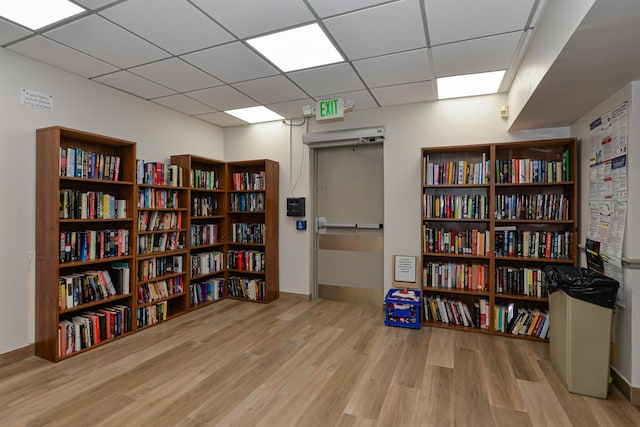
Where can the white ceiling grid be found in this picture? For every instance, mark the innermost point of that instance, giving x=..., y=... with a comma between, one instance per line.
x=192, y=55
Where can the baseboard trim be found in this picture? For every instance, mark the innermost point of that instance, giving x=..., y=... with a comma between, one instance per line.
x=291, y=295
x=630, y=392
x=17, y=355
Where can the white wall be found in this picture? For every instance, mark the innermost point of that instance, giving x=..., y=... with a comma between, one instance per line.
x=80, y=104
x=408, y=128
x=627, y=320
x=557, y=23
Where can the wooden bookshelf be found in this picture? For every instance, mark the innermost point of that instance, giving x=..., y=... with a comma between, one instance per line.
x=71, y=205
x=528, y=194
x=207, y=224
x=252, y=230
x=161, y=243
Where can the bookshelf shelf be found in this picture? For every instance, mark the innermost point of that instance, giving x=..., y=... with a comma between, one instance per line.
x=444, y=290
x=533, y=182
x=204, y=276
x=457, y=327
x=107, y=300
x=161, y=299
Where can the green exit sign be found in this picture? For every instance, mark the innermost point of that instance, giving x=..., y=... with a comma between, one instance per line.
x=329, y=109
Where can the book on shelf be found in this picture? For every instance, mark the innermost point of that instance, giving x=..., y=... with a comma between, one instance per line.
x=247, y=288
x=158, y=173
x=449, y=311
x=525, y=171
x=208, y=290
x=454, y=275
x=206, y=263
x=79, y=163
x=205, y=179
x=204, y=206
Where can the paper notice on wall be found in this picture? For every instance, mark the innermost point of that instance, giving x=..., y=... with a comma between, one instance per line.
x=36, y=99
x=608, y=193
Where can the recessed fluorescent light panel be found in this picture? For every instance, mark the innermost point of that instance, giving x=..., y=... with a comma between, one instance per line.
x=36, y=14
x=469, y=84
x=255, y=114
x=298, y=48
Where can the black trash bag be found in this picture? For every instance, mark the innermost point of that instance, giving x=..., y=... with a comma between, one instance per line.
x=583, y=284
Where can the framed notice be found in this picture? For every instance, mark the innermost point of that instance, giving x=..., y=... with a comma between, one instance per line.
x=405, y=271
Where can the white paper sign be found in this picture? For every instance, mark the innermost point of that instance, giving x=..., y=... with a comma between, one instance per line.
x=36, y=99
x=405, y=269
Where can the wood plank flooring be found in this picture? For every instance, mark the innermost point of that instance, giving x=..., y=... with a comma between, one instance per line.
x=301, y=363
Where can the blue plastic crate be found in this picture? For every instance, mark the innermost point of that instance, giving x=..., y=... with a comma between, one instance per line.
x=402, y=312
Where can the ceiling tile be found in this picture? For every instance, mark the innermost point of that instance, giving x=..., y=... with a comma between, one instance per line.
x=184, y=104
x=379, y=30
x=475, y=56
x=221, y=119
x=291, y=109
x=404, y=94
x=231, y=63
x=222, y=98
x=133, y=84
x=271, y=90
x=94, y=4
x=327, y=80
x=177, y=75
x=100, y=38
x=362, y=99
x=61, y=56
x=246, y=18
x=10, y=32
x=405, y=67
x=480, y=18
x=326, y=8
x=174, y=25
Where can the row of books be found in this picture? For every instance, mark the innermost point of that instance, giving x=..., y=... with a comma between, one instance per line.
x=82, y=288
x=520, y=171
x=245, y=260
x=91, y=205
x=79, y=163
x=205, y=179
x=158, y=221
x=204, y=234
x=209, y=290
x=247, y=287
x=204, y=206
x=158, y=267
x=158, y=173
x=455, y=206
x=544, y=206
x=157, y=198
x=168, y=241
x=152, y=314
x=206, y=263
x=153, y=291
x=532, y=244
x=451, y=275
x=525, y=281
x=248, y=181
x=90, y=245
x=456, y=172
x=467, y=242
x=522, y=321
x=455, y=312
x=92, y=327
x=247, y=233
x=246, y=202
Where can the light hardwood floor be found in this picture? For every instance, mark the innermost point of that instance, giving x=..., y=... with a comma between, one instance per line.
x=300, y=363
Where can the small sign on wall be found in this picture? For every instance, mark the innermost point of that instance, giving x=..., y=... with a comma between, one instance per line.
x=36, y=99
x=405, y=272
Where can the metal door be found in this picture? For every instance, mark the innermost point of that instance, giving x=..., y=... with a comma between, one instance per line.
x=349, y=203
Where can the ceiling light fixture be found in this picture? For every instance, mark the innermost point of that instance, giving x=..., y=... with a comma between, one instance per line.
x=298, y=48
x=257, y=114
x=469, y=84
x=35, y=14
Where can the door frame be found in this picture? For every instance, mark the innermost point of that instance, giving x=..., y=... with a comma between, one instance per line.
x=313, y=242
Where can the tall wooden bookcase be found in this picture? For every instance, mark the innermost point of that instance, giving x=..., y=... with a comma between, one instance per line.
x=161, y=245
x=252, y=230
x=493, y=216
x=86, y=167
x=207, y=224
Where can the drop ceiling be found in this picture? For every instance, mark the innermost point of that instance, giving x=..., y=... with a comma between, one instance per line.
x=192, y=55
